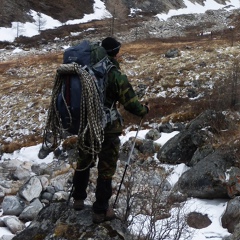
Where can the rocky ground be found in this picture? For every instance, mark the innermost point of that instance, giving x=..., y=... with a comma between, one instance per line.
x=180, y=77
x=178, y=88
x=64, y=10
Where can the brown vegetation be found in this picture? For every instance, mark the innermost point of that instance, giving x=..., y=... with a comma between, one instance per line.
x=33, y=75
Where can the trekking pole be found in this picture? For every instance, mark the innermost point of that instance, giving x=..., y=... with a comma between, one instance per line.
x=127, y=163
x=70, y=195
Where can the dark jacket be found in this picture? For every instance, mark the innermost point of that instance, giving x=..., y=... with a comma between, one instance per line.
x=120, y=90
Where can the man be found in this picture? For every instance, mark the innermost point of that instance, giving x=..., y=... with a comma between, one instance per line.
x=118, y=90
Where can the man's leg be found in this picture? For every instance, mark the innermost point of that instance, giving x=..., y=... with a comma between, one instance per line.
x=80, y=183
x=81, y=179
x=106, y=169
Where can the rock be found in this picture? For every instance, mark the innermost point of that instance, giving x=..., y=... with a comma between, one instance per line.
x=192, y=93
x=232, y=181
x=47, y=195
x=6, y=237
x=31, y=211
x=44, y=181
x=31, y=189
x=60, y=196
x=12, y=205
x=200, y=154
x=176, y=197
x=172, y=53
x=59, y=182
x=166, y=128
x=181, y=148
x=198, y=220
x=146, y=147
x=231, y=216
x=153, y=134
x=178, y=149
x=2, y=224
x=60, y=220
x=178, y=127
x=50, y=189
x=236, y=233
x=39, y=169
x=125, y=151
x=13, y=224
x=207, y=178
x=11, y=164
x=213, y=120
x=21, y=173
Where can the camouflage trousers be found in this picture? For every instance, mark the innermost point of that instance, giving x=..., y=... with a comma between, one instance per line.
x=107, y=163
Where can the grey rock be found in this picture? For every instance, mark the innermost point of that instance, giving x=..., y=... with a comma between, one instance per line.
x=207, y=178
x=200, y=154
x=50, y=189
x=21, y=173
x=192, y=93
x=231, y=216
x=31, y=211
x=236, y=233
x=60, y=196
x=153, y=134
x=181, y=148
x=31, y=189
x=12, y=205
x=172, y=53
x=198, y=220
x=178, y=149
x=6, y=237
x=60, y=218
x=47, y=195
x=232, y=181
x=2, y=224
x=13, y=224
x=178, y=127
x=39, y=169
x=147, y=147
x=125, y=152
x=44, y=181
x=166, y=128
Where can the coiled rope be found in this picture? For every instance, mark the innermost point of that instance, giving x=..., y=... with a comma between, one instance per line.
x=91, y=132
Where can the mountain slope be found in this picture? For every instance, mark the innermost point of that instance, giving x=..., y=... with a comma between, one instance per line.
x=64, y=10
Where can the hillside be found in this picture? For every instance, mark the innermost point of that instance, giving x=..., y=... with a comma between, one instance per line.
x=64, y=10
x=178, y=89
x=181, y=67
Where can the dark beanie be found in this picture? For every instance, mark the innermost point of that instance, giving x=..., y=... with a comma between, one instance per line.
x=111, y=46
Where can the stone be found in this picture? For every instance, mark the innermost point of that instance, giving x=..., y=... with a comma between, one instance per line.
x=12, y=205
x=31, y=211
x=13, y=224
x=198, y=220
x=31, y=189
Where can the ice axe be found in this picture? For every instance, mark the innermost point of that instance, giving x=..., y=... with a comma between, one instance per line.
x=128, y=162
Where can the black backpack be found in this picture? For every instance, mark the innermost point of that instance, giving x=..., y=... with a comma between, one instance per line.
x=78, y=96
x=91, y=59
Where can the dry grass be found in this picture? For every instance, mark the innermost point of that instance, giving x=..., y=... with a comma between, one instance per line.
x=33, y=77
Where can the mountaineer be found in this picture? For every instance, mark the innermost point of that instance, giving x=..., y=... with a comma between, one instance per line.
x=118, y=90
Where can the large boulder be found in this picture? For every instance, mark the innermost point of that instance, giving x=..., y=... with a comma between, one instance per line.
x=207, y=179
x=63, y=222
x=181, y=148
x=12, y=205
x=31, y=189
x=231, y=216
x=178, y=149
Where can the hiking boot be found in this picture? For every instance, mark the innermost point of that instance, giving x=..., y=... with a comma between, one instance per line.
x=102, y=217
x=43, y=152
x=78, y=204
